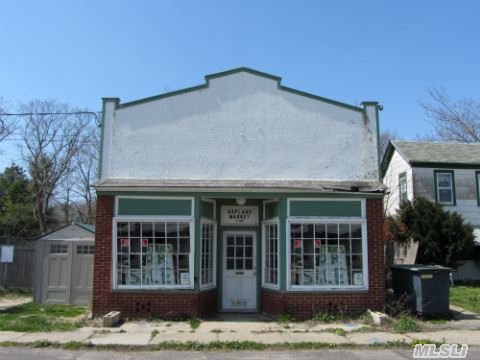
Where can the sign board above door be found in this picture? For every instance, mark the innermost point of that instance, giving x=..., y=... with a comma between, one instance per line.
x=239, y=215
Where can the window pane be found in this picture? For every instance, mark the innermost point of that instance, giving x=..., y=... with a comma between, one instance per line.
x=270, y=253
x=444, y=180
x=207, y=254
x=146, y=256
x=445, y=195
x=330, y=258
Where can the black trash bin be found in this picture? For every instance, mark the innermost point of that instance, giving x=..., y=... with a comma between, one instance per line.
x=428, y=286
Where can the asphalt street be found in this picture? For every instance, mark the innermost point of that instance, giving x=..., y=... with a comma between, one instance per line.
x=12, y=353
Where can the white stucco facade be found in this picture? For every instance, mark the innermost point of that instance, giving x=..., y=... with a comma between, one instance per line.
x=240, y=126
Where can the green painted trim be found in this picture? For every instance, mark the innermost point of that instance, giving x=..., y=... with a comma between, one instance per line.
x=445, y=165
x=198, y=231
x=162, y=96
x=387, y=157
x=477, y=183
x=402, y=176
x=379, y=150
x=161, y=207
x=234, y=71
x=319, y=98
x=435, y=172
x=102, y=134
x=207, y=210
x=282, y=238
x=271, y=210
x=252, y=195
x=220, y=255
x=326, y=208
x=242, y=69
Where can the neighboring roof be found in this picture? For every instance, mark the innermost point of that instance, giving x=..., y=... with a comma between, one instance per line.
x=109, y=184
x=88, y=227
x=250, y=71
x=73, y=232
x=433, y=153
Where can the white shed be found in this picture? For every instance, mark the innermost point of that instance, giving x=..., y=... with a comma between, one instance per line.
x=64, y=266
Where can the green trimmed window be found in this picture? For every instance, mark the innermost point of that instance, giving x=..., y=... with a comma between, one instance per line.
x=445, y=187
x=402, y=187
x=270, y=254
x=477, y=182
x=153, y=254
x=207, y=254
x=326, y=254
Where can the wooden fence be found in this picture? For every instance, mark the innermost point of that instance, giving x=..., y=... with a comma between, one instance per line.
x=19, y=273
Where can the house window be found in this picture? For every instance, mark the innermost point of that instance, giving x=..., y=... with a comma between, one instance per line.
x=327, y=255
x=270, y=254
x=402, y=187
x=477, y=179
x=58, y=249
x=445, y=187
x=154, y=254
x=85, y=249
x=207, y=256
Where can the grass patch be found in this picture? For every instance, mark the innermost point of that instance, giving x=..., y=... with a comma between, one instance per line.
x=467, y=297
x=32, y=317
x=7, y=293
x=216, y=331
x=285, y=318
x=153, y=333
x=325, y=317
x=216, y=346
x=194, y=323
x=337, y=331
x=365, y=329
x=406, y=324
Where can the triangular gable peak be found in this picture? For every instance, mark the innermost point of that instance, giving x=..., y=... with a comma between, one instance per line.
x=241, y=124
x=275, y=81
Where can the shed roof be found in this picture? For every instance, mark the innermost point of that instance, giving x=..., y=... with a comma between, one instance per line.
x=433, y=153
x=73, y=232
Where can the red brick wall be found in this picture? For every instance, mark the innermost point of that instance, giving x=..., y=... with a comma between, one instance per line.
x=303, y=304
x=136, y=303
x=169, y=303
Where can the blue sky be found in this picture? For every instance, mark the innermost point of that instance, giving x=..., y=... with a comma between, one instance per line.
x=351, y=51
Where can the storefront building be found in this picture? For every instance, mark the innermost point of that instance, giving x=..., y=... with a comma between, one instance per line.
x=239, y=195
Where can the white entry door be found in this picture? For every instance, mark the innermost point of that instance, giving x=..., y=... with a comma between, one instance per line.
x=239, y=271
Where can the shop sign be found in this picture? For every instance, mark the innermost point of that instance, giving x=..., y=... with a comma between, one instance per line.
x=240, y=215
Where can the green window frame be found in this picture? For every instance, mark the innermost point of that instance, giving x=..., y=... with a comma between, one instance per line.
x=477, y=183
x=208, y=257
x=402, y=187
x=443, y=187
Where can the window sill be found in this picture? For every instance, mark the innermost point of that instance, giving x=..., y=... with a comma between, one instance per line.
x=207, y=287
x=131, y=289
x=327, y=289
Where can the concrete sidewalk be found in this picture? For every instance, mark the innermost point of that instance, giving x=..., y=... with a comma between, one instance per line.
x=142, y=333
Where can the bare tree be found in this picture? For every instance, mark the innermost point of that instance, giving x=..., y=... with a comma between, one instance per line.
x=7, y=124
x=85, y=164
x=453, y=120
x=385, y=137
x=51, y=138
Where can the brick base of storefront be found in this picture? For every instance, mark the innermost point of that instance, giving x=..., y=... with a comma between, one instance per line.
x=140, y=303
x=166, y=304
x=302, y=305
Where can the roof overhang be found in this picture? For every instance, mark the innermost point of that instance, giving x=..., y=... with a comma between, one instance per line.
x=240, y=185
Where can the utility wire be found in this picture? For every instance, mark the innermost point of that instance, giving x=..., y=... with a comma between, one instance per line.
x=94, y=114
